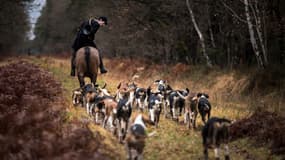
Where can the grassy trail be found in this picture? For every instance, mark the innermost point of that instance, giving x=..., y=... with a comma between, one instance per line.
x=172, y=140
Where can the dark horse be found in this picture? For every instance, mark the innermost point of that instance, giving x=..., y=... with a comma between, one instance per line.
x=87, y=63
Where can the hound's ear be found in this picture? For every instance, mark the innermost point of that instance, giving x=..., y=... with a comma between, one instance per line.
x=199, y=95
x=187, y=90
x=181, y=92
x=148, y=91
x=104, y=86
x=156, y=81
x=119, y=85
x=135, y=84
x=206, y=95
x=168, y=87
x=83, y=88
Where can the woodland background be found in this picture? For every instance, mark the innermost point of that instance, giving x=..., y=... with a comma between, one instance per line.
x=161, y=31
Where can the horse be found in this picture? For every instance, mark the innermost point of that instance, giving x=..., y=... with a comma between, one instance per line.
x=87, y=64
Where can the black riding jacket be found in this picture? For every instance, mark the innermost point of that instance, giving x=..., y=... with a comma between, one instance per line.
x=86, y=34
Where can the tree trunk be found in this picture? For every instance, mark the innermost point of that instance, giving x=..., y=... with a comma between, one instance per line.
x=210, y=26
x=202, y=40
x=252, y=37
x=211, y=34
x=259, y=32
x=281, y=33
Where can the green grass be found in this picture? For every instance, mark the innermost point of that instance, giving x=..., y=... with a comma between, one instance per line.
x=172, y=140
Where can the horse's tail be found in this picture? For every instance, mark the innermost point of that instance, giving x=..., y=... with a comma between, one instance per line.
x=87, y=58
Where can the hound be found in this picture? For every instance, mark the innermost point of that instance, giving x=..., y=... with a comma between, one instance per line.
x=135, y=139
x=109, y=111
x=123, y=115
x=77, y=97
x=103, y=91
x=204, y=106
x=122, y=91
x=140, y=98
x=191, y=110
x=216, y=132
x=161, y=86
x=132, y=88
x=154, y=107
x=90, y=94
x=177, y=102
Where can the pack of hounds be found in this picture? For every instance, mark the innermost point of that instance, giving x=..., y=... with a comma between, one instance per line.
x=115, y=113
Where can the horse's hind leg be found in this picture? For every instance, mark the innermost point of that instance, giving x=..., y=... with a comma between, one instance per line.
x=94, y=79
x=81, y=80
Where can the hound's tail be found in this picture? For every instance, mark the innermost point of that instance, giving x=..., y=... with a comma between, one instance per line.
x=87, y=58
x=207, y=107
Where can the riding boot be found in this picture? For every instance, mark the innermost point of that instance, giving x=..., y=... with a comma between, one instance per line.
x=72, y=72
x=101, y=65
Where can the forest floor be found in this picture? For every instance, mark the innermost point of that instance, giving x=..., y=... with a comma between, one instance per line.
x=256, y=135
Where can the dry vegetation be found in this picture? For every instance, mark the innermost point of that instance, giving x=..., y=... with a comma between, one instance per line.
x=32, y=121
x=229, y=94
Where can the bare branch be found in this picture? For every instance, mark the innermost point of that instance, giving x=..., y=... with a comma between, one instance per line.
x=233, y=12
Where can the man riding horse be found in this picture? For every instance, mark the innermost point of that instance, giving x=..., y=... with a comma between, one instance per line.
x=85, y=37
